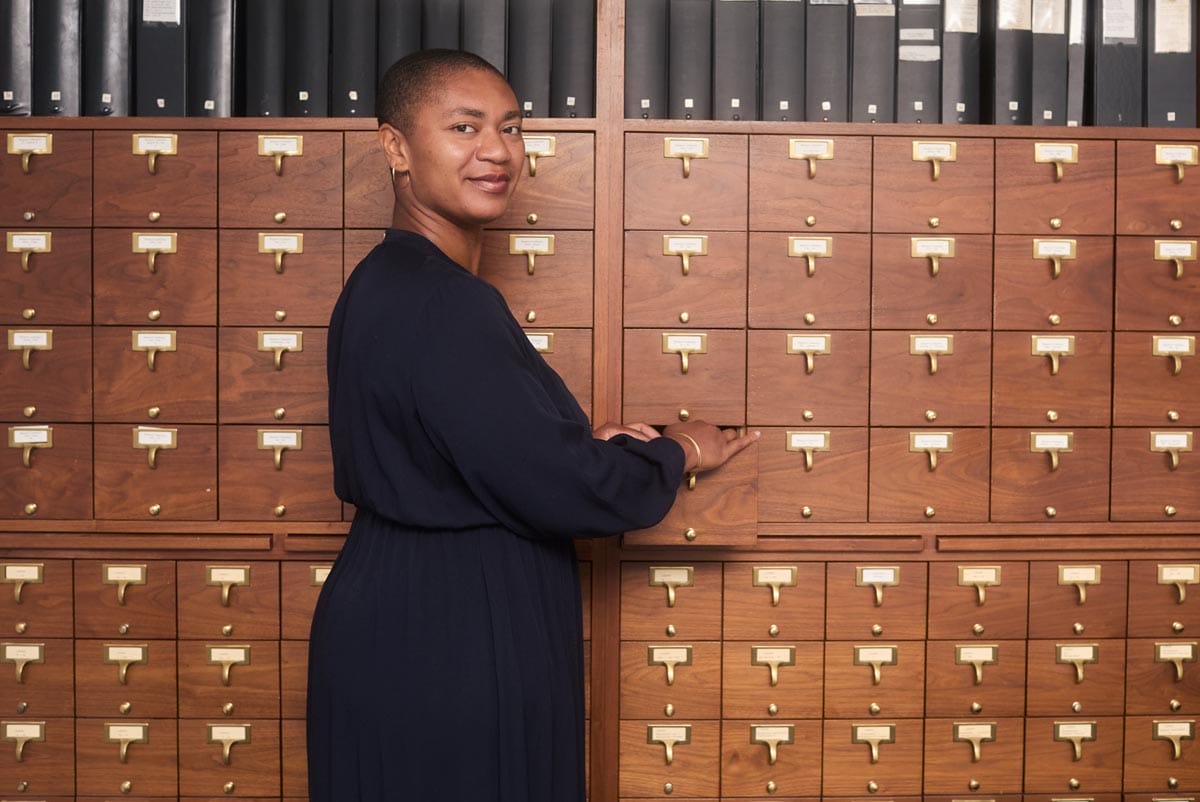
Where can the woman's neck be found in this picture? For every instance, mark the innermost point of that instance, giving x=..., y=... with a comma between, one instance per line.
x=463, y=245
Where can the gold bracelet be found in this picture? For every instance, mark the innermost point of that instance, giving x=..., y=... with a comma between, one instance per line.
x=692, y=440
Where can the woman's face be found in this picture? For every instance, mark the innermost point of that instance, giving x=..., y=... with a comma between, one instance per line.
x=466, y=150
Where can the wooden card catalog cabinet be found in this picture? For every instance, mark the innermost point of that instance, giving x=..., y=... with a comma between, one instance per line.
x=1084, y=600
x=942, y=282
x=770, y=678
x=569, y=353
x=1073, y=754
x=809, y=279
x=301, y=583
x=126, y=600
x=546, y=278
x=276, y=472
x=156, y=472
x=1161, y=754
x=36, y=681
x=976, y=677
x=293, y=679
x=779, y=757
x=942, y=186
x=1166, y=599
x=982, y=756
x=220, y=601
x=126, y=678
x=36, y=598
x=1053, y=281
x=822, y=181
x=276, y=180
x=47, y=471
x=978, y=600
x=557, y=186
x=1054, y=187
x=677, y=601
x=159, y=178
x=1050, y=474
x=1154, y=193
x=1072, y=677
x=126, y=757
x=39, y=756
x=1051, y=378
x=864, y=758
x=928, y=474
x=1162, y=677
x=685, y=180
x=49, y=179
x=155, y=278
x=281, y=278
x=1156, y=379
x=673, y=679
x=819, y=378
x=45, y=278
x=239, y=757
x=668, y=757
x=45, y=374
x=683, y=277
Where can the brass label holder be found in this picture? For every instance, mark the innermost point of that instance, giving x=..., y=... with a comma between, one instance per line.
x=153, y=343
x=22, y=733
x=538, y=146
x=279, y=441
x=280, y=343
x=810, y=345
x=1179, y=575
x=1076, y=733
x=1081, y=576
x=227, y=576
x=775, y=578
x=932, y=346
x=686, y=149
x=877, y=577
x=873, y=735
x=30, y=145
x=980, y=577
x=1052, y=443
x=542, y=341
x=1176, y=252
x=153, y=244
x=670, y=737
x=1077, y=655
x=279, y=245
x=1056, y=153
x=810, y=249
x=228, y=736
x=669, y=657
x=773, y=657
x=1177, y=155
x=126, y=735
x=1057, y=251
x=21, y=574
x=811, y=151
x=935, y=153
x=934, y=249
x=931, y=444
x=977, y=656
x=684, y=344
x=153, y=439
x=1175, y=731
x=154, y=145
x=1175, y=348
x=27, y=243
x=124, y=577
x=671, y=578
x=29, y=340
x=21, y=655
x=1054, y=346
x=807, y=442
x=125, y=655
x=685, y=247
x=1176, y=653
x=29, y=438
x=1172, y=444
x=772, y=736
x=317, y=574
x=876, y=657
x=976, y=735
x=276, y=146
x=531, y=246
x=227, y=657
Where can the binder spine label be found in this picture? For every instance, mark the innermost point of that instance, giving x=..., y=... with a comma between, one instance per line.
x=1172, y=26
x=164, y=11
x=1050, y=16
x=1119, y=22
x=1014, y=15
x=961, y=16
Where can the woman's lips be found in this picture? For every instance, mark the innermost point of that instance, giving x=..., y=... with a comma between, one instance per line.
x=492, y=182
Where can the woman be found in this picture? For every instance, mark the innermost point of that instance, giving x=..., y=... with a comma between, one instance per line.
x=445, y=660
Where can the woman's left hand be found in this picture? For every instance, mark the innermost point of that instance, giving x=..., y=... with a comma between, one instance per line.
x=638, y=431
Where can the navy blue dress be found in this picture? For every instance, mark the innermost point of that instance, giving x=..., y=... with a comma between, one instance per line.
x=445, y=661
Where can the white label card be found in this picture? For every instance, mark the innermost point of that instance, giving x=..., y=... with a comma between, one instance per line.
x=933, y=247
x=127, y=732
x=1050, y=16
x=684, y=342
x=280, y=439
x=931, y=344
x=1179, y=573
x=124, y=573
x=771, y=733
x=19, y=731
x=30, y=435
x=1080, y=573
x=673, y=576
x=1119, y=19
x=281, y=242
x=320, y=573
x=1053, y=345
x=815, y=148
x=1172, y=26
x=24, y=573
x=934, y=150
x=1174, y=345
x=535, y=244
x=981, y=732
x=23, y=651
x=1174, y=729
x=808, y=342
x=685, y=244
x=773, y=654
x=1051, y=152
x=782, y=576
x=155, y=339
x=538, y=144
x=1172, y=250
x=155, y=437
x=540, y=342
x=232, y=575
x=280, y=339
x=977, y=654
x=125, y=654
x=809, y=440
x=989, y=574
x=30, y=242
x=1073, y=730
x=919, y=53
x=687, y=147
x=931, y=441
x=227, y=654
x=1055, y=247
x=227, y=733
x=1177, y=154
x=1051, y=441
x=878, y=575
x=872, y=733
x=1175, y=651
x=30, y=339
x=815, y=246
x=669, y=654
x=1083, y=653
x=961, y=16
x=669, y=733
x=153, y=143
x=1166, y=440
x=876, y=654
x=280, y=144
x=30, y=142
x=165, y=11
x=154, y=242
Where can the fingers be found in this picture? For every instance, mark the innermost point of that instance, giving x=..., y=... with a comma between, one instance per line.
x=649, y=432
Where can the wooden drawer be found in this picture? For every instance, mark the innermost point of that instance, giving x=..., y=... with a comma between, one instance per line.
x=779, y=757
x=833, y=188
x=1054, y=187
x=180, y=388
x=765, y=599
x=305, y=189
x=1145, y=486
x=126, y=757
x=834, y=489
x=295, y=760
x=47, y=757
x=694, y=767
x=368, y=193
x=253, y=768
x=56, y=189
x=55, y=288
x=58, y=482
x=302, y=583
x=1026, y=485
x=1031, y=293
x=124, y=599
x=57, y=385
x=1054, y=377
x=1080, y=677
x=293, y=678
x=1149, y=297
x=277, y=472
x=929, y=282
x=1164, y=600
x=158, y=178
x=926, y=378
x=658, y=391
x=229, y=600
x=569, y=353
x=1162, y=677
x=953, y=688
x=847, y=768
x=875, y=600
x=182, y=485
x=906, y=198
x=1151, y=760
x=685, y=278
x=273, y=376
x=675, y=679
x=977, y=755
x=710, y=190
x=661, y=598
x=1057, y=770
x=814, y=378
x=1148, y=390
x=978, y=600
x=766, y=679
x=1149, y=195
x=925, y=474
x=782, y=291
x=878, y=678
x=557, y=185
x=300, y=291
x=145, y=277
x=126, y=679
x=229, y=679
x=559, y=290
x=1084, y=600
x=37, y=681
x=36, y=601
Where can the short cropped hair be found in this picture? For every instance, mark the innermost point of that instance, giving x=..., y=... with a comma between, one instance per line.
x=410, y=82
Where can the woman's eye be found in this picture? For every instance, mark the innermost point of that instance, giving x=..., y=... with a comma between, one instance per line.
x=513, y=129
x=464, y=128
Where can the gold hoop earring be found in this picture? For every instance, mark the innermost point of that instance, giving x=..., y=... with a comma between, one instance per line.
x=402, y=173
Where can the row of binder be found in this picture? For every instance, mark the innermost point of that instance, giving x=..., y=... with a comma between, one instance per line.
x=275, y=58
x=1018, y=62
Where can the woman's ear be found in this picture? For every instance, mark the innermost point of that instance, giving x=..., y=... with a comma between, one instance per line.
x=395, y=147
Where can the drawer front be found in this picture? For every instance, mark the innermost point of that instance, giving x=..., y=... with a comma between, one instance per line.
x=875, y=600
x=981, y=753
x=975, y=678
x=906, y=198
x=1058, y=377
x=770, y=679
x=56, y=189
x=293, y=678
x=1026, y=485
x=877, y=678
x=1162, y=677
x=681, y=677
x=147, y=767
x=810, y=378
x=47, y=758
x=949, y=289
x=37, y=598
x=181, y=486
x=58, y=482
x=368, y=196
x=783, y=291
x=151, y=278
x=833, y=188
x=180, y=388
x=305, y=189
x=924, y=474
x=557, y=190
x=229, y=679
x=126, y=679
x=266, y=480
x=685, y=278
x=221, y=601
x=55, y=285
x=1149, y=297
x=659, y=598
x=978, y=600
x=925, y=378
x=559, y=290
x=1164, y=600
x=1156, y=379
x=298, y=290
x=1153, y=484
x=302, y=583
x=1054, y=281
x=693, y=770
x=254, y=761
x=263, y=371
x=1081, y=600
x=833, y=489
x=57, y=384
x=1095, y=767
x=124, y=599
x=1035, y=194
x=766, y=599
x=295, y=760
x=37, y=681
x=156, y=187
x=1151, y=760
x=569, y=353
x=712, y=195
x=657, y=390
x=779, y=757
x=847, y=768
x=1076, y=677
x=1150, y=196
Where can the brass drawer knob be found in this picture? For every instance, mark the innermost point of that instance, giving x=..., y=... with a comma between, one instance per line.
x=280, y=217
x=531, y=218
x=686, y=219
x=280, y=315
x=154, y=314
x=29, y=314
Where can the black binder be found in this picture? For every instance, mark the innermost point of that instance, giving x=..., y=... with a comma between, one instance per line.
x=827, y=61
x=485, y=30
x=210, y=58
x=56, y=58
x=1050, y=63
x=689, y=69
x=962, y=54
x=160, y=58
x=1171, y=64
x=530, y=27
x=264, y=38
x=306, y=55
x=399, y=30
x=573, y=62
x=873, y=61
x=1012, y=87
x=16, y=60
x=1117, y=55
x=1077, y=46
x=107, y=81
x=646, y=48
x=352, y=69
x=735, y=60
x=782, y=59
x=919, y=62
x=440, y=23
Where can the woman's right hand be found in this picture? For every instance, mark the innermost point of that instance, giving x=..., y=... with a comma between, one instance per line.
x=705, y=446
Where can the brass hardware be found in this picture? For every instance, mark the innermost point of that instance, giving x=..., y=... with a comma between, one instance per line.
x=1054, y=347
x=29, y=438
x=1172, y=782
x=684, y=414
x=877, y=578
x=977, y=629
x=155, y=509
x=1172, y=444
x=1052, y=443
x=280, y=343
x=531, y=218
x=278, y=146
x=810, y=345
x=123, y=629
x=28, y=243
x=684, y=317
x=669, y=657
x=280, y=217
x=876, y=630
x=228, y=787
x=976, y=707
x=227, y=629
x=280, y=244
x=1175, y=251
x=772, y=709
x=931, y=444
x=669, y=710
x=931, y=319
x=1056, y=223
x=279, y=413
x=806, y=511
x=153, y=315
x=773, y=657
x=973, y=785
x=153, y=342
x=21, y=655
x=279, y=441
x=1077, y=628
x=126, y=787
x=775, y=579
x=683, y=247
x=531, y=246
x=935, y=153
x=1177, y=155
x=22, y=733
x=227, y=657
x=977, y=657
x=684, y=345
x=1173, y=415
x=935, y=250
x=685, y=148
x=28, y=216
x=689, y=534
x=874, y=709
x=28, y=314
x=280, y=315
x=669, y=737
x=930, y=415
x=124, y=656
x=1180, y=576
x=1176, y=224
x=538, y=146
x=153, y=245
x=154, y=412
x=1054, y=318
x=980, y=577
x=127, y=735
x=672, y=578
x=1176, y=732
x=810, y=221
x=975, y=735
x=154, y=440
x=668, y=788
x=1080, y=576
x=1175, y=705
x=1076, y=707
x=1051, y=415
x=154, y=145
x=228, y=736
x=811, y=151
x=1077, y=655
x=1175, y=320
x=807, y=415
x=771, y=736
x=279, y=511
x=1177, y=626
x=154, y=217
x=530, y=316
x=691, y=485
x=1176, y=654
x=1057, y=251
x=685, y=218
x=932, y=347
x=21, y=574
x=935, y=222
x=872, y=787
x=29, y=145
x=123, y=576
x=930, y=512
x=1076, y=733
x=228, y=576
x=771, y=787
x=31, y=508
x=810, y=249
x=810, y=318
x=29, y=340
x=773, y=630
x=1057, y=154
x=873, y=735
x=876, y=657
